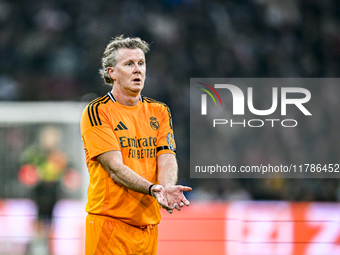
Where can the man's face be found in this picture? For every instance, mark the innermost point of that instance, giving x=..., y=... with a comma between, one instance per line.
x=129, y=72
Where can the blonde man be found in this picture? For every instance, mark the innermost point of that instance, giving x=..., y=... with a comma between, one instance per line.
x=131, y=156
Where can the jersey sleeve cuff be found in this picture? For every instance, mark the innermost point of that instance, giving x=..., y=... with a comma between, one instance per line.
x=165, y=149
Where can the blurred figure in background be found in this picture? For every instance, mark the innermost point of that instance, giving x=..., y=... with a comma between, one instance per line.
x=44, y=165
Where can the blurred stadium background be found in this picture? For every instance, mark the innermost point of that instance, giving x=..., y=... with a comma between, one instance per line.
x=50, y=55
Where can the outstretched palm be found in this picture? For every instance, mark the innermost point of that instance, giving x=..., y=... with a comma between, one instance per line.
x=175, y=196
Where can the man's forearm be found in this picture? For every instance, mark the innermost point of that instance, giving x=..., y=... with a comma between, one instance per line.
x=112, y=162
x=123, y=174
x=167, y=169
x=167, y=176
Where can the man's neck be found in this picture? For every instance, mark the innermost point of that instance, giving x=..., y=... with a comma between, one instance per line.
x=125, y=99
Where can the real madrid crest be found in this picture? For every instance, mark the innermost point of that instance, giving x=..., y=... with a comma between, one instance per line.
x=154, y=123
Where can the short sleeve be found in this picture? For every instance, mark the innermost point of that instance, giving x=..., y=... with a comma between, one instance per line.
x=98, y=137
x=166, y=139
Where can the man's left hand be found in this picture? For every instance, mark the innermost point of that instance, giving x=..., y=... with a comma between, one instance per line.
x=176, y=197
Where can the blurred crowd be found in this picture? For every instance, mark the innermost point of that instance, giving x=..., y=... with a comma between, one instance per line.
x=51, y=50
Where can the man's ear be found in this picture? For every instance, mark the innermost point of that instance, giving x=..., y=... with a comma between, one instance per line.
x=111, y=70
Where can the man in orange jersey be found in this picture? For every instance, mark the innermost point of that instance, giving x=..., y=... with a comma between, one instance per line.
x=130, y=154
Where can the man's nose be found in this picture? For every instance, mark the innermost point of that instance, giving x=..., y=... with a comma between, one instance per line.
x=137, y=69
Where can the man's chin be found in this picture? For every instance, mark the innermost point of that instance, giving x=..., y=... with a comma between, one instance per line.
x=135, y=92
x=137, y=89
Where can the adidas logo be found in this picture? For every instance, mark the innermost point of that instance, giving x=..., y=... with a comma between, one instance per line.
x=120, y=126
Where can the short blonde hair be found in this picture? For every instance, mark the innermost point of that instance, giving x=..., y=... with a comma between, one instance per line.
x=110, y=55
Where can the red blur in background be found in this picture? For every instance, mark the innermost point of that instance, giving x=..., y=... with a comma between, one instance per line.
x=235, y=228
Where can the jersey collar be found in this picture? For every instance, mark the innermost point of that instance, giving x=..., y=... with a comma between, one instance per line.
x=114, y=100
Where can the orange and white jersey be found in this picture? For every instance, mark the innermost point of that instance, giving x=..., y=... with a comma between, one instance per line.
x=141, y=133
